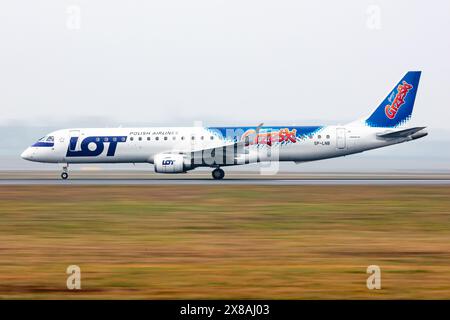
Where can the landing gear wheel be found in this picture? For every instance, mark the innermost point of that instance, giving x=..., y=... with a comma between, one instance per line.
x=65, y=169
x=218, y=174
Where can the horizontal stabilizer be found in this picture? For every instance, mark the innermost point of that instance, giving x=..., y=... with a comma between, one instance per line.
x=401, y=133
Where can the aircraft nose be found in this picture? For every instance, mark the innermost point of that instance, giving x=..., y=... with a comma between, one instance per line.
x=27, y=154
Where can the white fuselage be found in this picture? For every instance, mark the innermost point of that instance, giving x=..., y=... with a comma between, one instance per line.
x=141, y=145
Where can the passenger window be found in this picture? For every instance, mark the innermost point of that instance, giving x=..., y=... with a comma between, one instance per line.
x=114, y=139
x=193, y=138
x=202, y=137
x=328, y=136
x=131, y=138
x=212, y=138
x=97, y=139
x=148, y=138
x=173, y=138
x=182, y=138
x=105, y=139
x=123, y=139
x=157, y=138
x=319, y=137
x=140, y=138
x=165, y=138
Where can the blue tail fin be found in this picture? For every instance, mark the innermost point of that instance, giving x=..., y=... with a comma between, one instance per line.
x=397, y=108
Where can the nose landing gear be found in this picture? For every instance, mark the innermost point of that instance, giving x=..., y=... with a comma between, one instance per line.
x=218, y=174
x=65, y=174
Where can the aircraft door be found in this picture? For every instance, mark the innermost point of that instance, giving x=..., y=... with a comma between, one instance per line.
x=340, y=138
x=60, y=147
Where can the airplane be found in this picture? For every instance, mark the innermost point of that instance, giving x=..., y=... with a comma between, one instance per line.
x=180, y=149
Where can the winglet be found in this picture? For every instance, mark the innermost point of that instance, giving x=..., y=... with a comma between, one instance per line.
x=259, y=127
x=247, y=138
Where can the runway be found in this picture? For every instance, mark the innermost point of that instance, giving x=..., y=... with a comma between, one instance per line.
x=234, y=178
x=227, y=182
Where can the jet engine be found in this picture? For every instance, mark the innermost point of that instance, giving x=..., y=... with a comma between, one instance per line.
x=171, y=163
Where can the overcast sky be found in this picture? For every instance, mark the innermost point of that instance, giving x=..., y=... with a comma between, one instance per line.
x=104, y=62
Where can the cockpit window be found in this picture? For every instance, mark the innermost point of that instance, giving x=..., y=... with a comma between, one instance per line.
x=47, y=141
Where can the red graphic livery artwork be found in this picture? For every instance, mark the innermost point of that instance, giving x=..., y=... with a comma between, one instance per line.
x=282, y=135
x=399, y=100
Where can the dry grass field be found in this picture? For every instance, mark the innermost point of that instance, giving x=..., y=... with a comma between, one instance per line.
x=173, y=242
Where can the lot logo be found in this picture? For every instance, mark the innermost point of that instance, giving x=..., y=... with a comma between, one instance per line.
x=402, y=90
x=167, y=162
x=94, y=146
x=268, y=138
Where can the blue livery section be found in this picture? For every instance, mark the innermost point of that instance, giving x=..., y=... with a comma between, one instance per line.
x=397, y=107
x=43, y=144
x=267, y=135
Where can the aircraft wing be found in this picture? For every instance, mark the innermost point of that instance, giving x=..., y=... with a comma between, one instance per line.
x=237, y=144
x=227, y=153
x=400, y=133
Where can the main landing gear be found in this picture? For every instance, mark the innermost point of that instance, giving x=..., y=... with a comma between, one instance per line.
x=65, y=174
x=218, y=174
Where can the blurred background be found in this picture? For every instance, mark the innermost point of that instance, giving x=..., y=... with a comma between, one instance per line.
x=109, y=63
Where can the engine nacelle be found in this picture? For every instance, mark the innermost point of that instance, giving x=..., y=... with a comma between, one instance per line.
x=171, y=163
